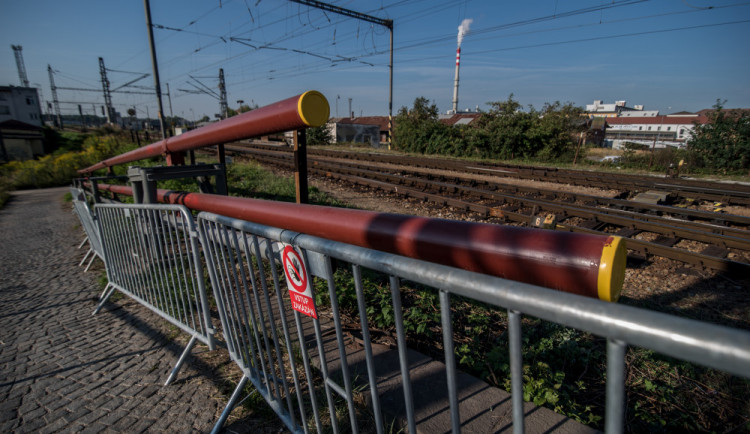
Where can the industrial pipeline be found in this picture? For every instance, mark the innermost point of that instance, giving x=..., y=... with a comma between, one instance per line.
x=584, y=264
x=590, y=265
x=309, y=109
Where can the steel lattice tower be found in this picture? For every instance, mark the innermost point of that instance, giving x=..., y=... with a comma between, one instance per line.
x=107, y=94
x=55, y=101
x=21, y=67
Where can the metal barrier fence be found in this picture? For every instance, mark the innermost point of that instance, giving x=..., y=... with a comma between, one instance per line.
x=275, y=346
x=152, y=254
x=88, y=222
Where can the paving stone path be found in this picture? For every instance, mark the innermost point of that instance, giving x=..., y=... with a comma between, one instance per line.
x=62, y=369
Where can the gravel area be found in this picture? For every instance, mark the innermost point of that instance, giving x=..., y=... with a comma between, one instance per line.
x=658, y=283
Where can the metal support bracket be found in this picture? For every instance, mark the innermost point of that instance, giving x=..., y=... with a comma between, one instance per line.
x=144, y=179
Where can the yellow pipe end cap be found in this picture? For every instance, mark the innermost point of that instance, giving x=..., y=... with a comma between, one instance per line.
x=612, y=269
x=313, y=108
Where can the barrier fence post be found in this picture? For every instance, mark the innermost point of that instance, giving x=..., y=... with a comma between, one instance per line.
x=95, y=191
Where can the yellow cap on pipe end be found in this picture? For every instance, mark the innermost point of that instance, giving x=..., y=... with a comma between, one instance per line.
x=612, y=269
x=313, y=108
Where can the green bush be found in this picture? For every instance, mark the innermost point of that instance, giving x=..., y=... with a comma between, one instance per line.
x=504, y=132
x=60, y=167
x=723, y=143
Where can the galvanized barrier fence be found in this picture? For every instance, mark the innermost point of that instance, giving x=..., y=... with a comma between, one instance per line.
x=88, y=223
x=152, y=254
x=275, y=347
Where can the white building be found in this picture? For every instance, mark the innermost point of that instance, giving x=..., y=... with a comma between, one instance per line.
x=600, y=109
x=652, y=131
x=20, y=104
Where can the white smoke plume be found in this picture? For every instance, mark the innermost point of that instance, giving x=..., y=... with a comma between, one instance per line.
x=463, y=30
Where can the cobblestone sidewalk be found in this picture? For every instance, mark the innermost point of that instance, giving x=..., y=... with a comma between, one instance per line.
x=62, y=369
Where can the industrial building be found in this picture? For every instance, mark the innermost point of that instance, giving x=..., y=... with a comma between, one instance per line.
x=20, y=124
x=21, y=104
x=652, y=131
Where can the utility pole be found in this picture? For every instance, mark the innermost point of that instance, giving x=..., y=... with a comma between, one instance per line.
x=107, y=94
x=20, y=65
x=154, y=64
x=223, y=107
x=171, y=116
x=55, y=101
x=169, y=98
x=370, y=19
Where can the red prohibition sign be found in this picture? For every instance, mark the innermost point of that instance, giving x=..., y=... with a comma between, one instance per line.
x=294, y=269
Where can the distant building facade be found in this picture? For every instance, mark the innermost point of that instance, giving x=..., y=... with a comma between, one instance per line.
x=21, y=104
x=652, y=131
x=372, y=130
x=600, y=109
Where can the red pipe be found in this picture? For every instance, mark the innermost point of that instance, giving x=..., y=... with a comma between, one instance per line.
x=584, y=264
x=309, y=109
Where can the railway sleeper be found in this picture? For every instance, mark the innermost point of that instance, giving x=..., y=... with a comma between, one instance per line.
x=666, y=241
x=716, y=251
x=592, y=224
x=628, y=232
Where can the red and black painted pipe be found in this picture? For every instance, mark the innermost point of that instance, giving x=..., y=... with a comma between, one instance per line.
x=589, y=265
x=309, y=109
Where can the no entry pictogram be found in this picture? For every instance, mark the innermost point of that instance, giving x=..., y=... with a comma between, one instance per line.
x=298, y=282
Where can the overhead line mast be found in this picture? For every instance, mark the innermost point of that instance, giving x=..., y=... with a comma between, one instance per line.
x=107, y=95
x=370, y=19
x=223, y=106
x=54, y=96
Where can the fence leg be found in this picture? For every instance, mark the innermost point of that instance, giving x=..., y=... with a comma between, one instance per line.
x=614, y=416
x=104, y=299
x=83, y=242
x=89, y=264
x=85, y=257
x=184, y=355
x=101, y=296
x=516, y=370
x=230, y=405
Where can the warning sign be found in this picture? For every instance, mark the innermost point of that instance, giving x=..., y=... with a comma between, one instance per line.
x=298, y=282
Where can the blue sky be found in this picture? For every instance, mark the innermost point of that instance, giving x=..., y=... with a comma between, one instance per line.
x=669, y=55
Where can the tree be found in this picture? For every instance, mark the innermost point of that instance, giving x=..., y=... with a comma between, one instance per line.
x=243, y=108
x=319, y=135
x=555, y=131
x=414, y=128
x=723, y=143
x=506, y=126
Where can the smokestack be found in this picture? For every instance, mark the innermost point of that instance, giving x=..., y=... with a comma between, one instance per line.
x=455, y=80
x=463, y=29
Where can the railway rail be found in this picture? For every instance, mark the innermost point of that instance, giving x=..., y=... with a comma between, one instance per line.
x=709, y=240
x=677, y=188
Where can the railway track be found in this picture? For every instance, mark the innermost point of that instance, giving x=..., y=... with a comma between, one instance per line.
x=705, y=239
x=677, y=188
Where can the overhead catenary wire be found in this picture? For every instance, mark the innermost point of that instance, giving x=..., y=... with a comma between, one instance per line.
x=235, y=45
